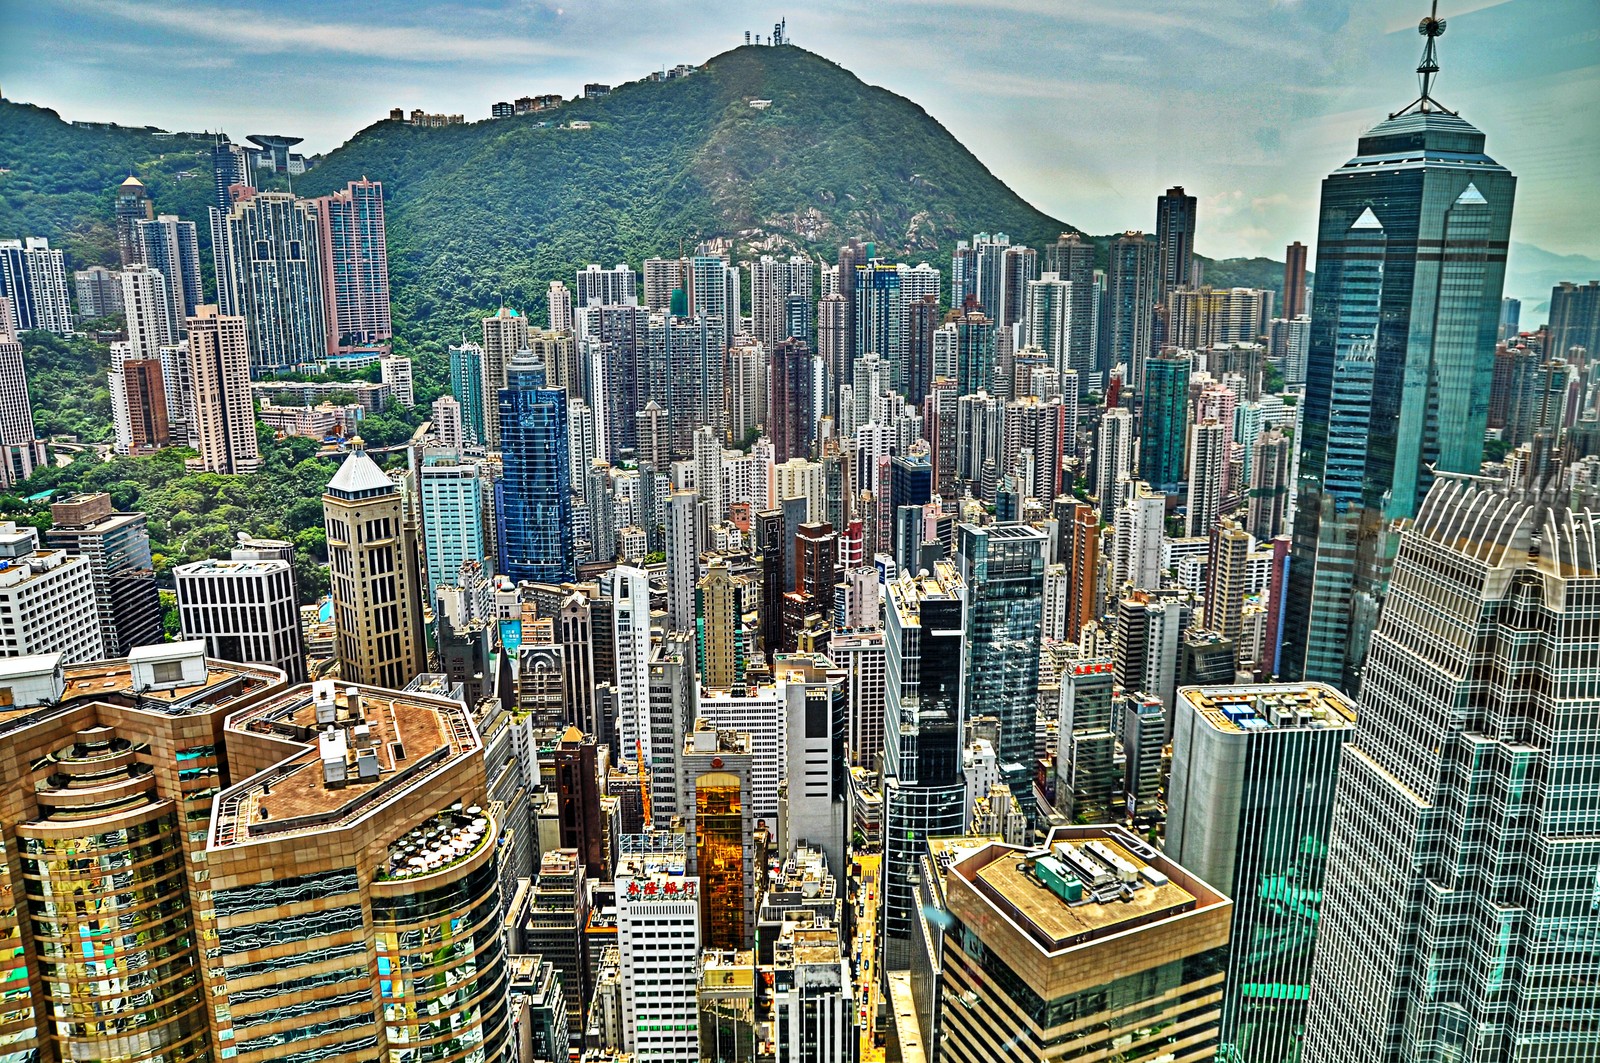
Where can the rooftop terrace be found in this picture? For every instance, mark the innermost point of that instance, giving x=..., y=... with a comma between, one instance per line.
x=363, y=749
x=1269, y=706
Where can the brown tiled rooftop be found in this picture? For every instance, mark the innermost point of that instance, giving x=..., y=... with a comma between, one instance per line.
x=1054, y=922
x=107, y=679
x=411, y=736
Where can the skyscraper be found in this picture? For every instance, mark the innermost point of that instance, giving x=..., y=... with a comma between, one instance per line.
x=880, y=316
x=373, y=574
x=1294, y=281
x=1139, y=541
x=21, y=451
x=355, y=266
x=833, y=346
x=720, y=644
x=138, y=403
x=269, y=259
x=1002, y=577
x=988, y=274
x=285, y=879
x=1268, y=511
x=1175, y=216
x=34, y=278
x=533, y=499
x=505, y=332
x=606, y=287
x=230, y=166
x=713, y=289
x=923, y=787
x=662, y=276
x=1149, y=629
x=715, y=799
x=1227, y=579
x=922, y=322
x=975, y=353
x=1094, y=947
x=147, y=304
x=772, y=281
x=1249, y=809
x=1574, y=319
x=1080, y=527
x=169, y=245
x=451, y=496
x=789, y=411
x=1410, y=259
x=1113, y=459
x=99, y=293
x=1071, y=258
x=1021, y=266
x=1130, y=303
x=686, y=528
x=118, y=548
x=467, y=385
x=559, y=305
x=245, y=610
x=1208, y=473
x=133, y=206
x=1459, y=910
x=224, y=426
x=1087, y=779
x=658, y=929
x=1164, y=421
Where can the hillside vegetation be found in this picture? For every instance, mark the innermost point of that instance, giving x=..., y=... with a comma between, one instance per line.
x=61, y=180
x=496, y=210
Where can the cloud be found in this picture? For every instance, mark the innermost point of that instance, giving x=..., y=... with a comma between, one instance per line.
x=253, y=31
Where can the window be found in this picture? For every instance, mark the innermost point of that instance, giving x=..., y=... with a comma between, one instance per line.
x=167, y=672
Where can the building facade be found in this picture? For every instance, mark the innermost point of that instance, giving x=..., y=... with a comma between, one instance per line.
x=1459, y=903
x=1411, y=245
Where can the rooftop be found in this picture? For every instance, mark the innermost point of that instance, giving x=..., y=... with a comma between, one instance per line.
x=206, y=685
x=221, y=567
x=361, y=748
x=1056, y=922
x=1270, y=706
x=359, y=475
x=908, y=591
x=1088, y=885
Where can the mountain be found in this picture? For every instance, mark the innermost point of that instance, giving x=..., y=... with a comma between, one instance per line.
x=1532, y=271
x=498, y=209
x=495, y=210
x=59, y=180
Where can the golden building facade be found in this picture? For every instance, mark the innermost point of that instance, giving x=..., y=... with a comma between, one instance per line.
x=1094, y=947
x=202, y=862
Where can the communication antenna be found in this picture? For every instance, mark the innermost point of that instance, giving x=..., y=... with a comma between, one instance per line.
x=1431, y=28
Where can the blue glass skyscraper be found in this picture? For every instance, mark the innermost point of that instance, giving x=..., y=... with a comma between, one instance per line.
x=534, y=497
x=466, y=384
x=1002, y=570
x=1164, y=421
x=1411, y=250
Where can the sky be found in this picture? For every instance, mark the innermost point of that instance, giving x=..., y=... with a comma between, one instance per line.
x=1088, y=108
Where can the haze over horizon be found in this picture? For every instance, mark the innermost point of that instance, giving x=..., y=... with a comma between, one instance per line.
x=1088, y=111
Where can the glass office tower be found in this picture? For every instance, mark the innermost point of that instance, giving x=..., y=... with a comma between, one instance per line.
x=924, y=789
x=1411, y=250
x=1461, y=908
x=534, y=499
x=1002, y=570
x=1164, y=421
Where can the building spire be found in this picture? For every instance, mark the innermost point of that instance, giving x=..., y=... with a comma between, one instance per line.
x=1431, y=28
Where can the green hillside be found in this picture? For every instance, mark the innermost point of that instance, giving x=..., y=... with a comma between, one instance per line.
x=497, y=209
x=61, y=179
x=500, y=208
